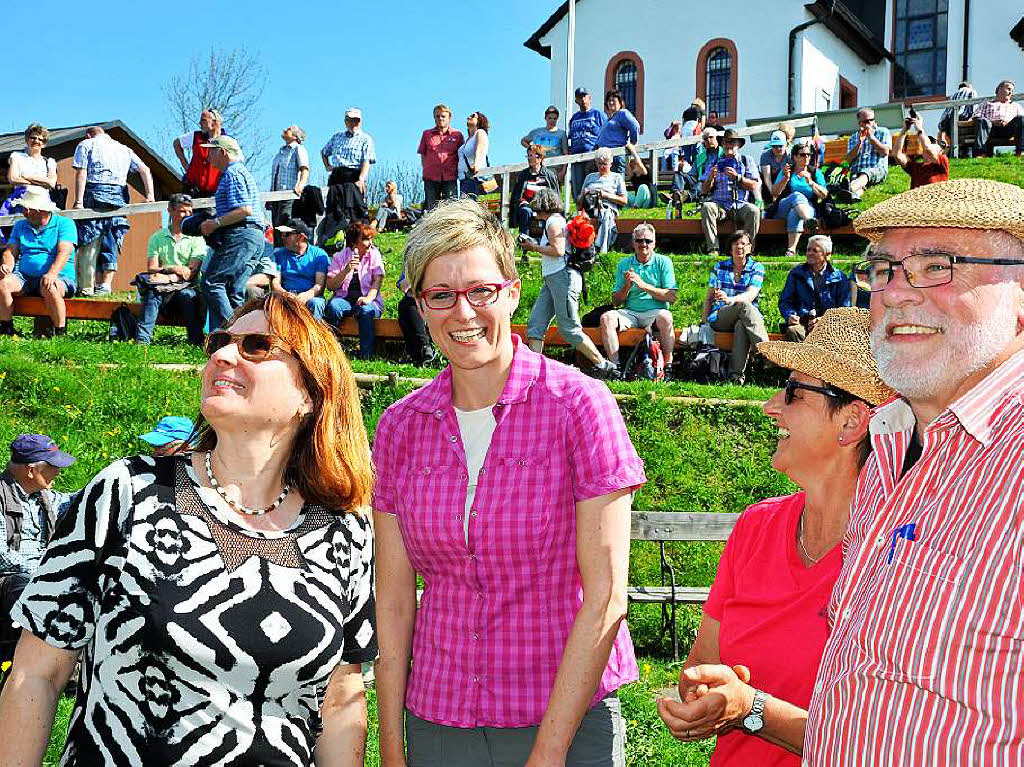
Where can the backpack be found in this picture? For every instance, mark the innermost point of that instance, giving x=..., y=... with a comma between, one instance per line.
x=709, y=365
x=581, y=253
x=646, y=361
x=832, y=216
x=124, y=326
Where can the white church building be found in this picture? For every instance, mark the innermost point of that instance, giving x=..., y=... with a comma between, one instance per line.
x=750, y=59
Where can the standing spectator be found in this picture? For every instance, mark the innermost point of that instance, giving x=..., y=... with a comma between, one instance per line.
x=730, y=181
x=551, y=137
x=239, y=228
x=172, y=434
x=604, y=192
x=39, y=260
x=29, y=508
x=584, y=127
x=30, y=168
x=730, y=305
x=438, y=150
x=354, y=276
x=520, y=641
x=349, y=154
x=173, y=253
x=559, y=295
x=201, y=176
x=928, y=167
x=774, y=159
x=691, y=124
x=811, y=289
x=473, y=153
x=797, y=187
x=414, y=332
x=965, y=92
x=645, y=286
x=301, y=267
x=867, y=152
x=999, y=121
x=101, y=176
x=290, y=171
x=527, y=181
x=620, y=129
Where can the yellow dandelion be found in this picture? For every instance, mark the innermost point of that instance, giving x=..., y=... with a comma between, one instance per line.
x=5, y=665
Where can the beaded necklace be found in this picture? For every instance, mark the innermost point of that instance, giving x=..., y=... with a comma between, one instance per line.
x=237, y=506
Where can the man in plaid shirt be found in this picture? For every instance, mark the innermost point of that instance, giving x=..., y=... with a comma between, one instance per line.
x=999, y=122
x=867, y=152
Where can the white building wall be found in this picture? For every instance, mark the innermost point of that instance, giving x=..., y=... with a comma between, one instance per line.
x=992, y=55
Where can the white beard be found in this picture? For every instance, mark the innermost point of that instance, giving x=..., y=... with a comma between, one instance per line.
x=965, y=350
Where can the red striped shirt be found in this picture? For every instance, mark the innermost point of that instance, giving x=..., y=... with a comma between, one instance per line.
x=925, y=664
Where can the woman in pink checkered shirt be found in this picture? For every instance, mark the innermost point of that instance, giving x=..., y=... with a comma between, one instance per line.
x=505, y=484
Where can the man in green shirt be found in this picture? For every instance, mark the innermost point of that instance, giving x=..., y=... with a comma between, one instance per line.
x=645, y=285
x=173, y=258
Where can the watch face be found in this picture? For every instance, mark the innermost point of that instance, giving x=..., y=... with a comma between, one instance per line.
x=753, y=723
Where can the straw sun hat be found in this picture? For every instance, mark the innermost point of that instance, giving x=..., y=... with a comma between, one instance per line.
x=837, y=351
x=963, y=203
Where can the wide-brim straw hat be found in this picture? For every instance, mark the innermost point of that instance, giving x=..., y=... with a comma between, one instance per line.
x=36, y=198
x=838, y=351
x=963, y=203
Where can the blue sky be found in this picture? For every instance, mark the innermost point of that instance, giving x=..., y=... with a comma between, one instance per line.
x=100, y=61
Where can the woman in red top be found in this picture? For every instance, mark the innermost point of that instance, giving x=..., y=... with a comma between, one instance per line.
x=750, y=672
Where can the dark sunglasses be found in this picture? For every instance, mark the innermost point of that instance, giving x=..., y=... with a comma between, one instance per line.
x=643, y=240
x=254, y=347
x=792, y=386
x=803, y=154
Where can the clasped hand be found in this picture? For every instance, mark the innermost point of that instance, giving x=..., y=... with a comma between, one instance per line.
x=713, y=698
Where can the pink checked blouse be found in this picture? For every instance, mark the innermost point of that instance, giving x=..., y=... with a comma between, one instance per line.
x=496, y=614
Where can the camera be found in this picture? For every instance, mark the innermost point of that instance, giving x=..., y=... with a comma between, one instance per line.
x=913, y=113
x=592, y=202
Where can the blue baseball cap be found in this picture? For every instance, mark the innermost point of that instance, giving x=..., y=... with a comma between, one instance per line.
x=170, y=428
x=33, y=448
x=778, y=138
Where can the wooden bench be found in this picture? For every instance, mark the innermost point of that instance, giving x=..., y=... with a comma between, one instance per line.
x=967, y=132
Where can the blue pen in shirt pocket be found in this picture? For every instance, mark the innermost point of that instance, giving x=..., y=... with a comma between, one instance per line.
x=907, y=532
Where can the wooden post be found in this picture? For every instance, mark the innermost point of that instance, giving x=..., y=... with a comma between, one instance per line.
x=506, y=177
x=654, y=177
x=956, y=134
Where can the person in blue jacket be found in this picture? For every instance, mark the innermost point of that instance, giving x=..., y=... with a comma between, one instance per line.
x=621, y=129
x=812, y=288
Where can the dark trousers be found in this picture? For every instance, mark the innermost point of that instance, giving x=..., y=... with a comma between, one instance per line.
x=414, y=331
x=11, y=586
x=438, y=190
x=184, y=303
x=987, y=135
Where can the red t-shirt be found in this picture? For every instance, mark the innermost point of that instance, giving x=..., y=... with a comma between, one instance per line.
x=774, y=617
x=922, y=173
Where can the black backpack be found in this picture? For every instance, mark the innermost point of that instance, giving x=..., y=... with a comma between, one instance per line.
x=708, y=365
x=830, y=215
x=124, y=326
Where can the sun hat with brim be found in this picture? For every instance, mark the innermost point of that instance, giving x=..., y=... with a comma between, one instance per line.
x=36, y=198
x=838, y=351
x=170, y=428
x=963, y=203
x=732, y=135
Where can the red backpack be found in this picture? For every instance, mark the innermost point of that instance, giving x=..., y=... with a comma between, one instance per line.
x=581, y=253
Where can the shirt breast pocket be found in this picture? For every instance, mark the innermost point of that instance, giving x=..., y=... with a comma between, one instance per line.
x=523, y=496
x=430, y=503
x=910, y=617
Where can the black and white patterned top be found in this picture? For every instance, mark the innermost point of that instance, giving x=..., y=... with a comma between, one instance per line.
x=204, y=643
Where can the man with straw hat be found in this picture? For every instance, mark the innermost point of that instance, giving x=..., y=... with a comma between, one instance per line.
x=924, y=665
x=39, y=260
x=750, y=673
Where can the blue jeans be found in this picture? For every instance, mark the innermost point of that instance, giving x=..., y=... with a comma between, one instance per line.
x=316, y=306
x=184, y=303
x=339, y=308
x=468, y=186
x=523, y=218
x=223, y=283
x=787, y=210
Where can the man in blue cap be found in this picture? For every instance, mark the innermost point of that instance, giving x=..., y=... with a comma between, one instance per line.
x=29, y=508
x=170, y=435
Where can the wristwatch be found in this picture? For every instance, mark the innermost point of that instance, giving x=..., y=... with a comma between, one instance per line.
x=754, y=721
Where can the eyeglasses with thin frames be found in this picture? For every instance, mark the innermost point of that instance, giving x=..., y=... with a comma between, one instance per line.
x=254, y=347
x=481, y=294
x=792, y=387
x=926, y=270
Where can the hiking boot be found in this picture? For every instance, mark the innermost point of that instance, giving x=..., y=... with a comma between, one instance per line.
x=101, y=290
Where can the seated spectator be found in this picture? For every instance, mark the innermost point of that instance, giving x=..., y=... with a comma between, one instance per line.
x=301, y=267
x=731, y=302
x=554, y=140
x=39, y=260
x=179, y=257
x=691, y=124
x=355, y=276
x=414, y=332
x=621, y=129
x=604, y=192
x=584, y=126
x=928, y=167
x=999, y=122
x=797, y=187
x=641, y=187
x=965, y=92
x=867, y=152
x=29, y=509
x=559, y=295
x=473, y=154
x=171, y=435
x=811, y=289
x=525, y=186
x=686, y=181
x=731, y=183
x=391, y=210
x=645, y=286
x=774, y=159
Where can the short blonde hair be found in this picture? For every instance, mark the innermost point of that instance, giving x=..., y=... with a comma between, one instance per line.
x=443, y=108
x=453, y=226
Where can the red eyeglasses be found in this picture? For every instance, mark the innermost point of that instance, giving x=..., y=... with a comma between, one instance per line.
x=481, y=294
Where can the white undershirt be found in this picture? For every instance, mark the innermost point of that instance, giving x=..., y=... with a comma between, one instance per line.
x=476, y=428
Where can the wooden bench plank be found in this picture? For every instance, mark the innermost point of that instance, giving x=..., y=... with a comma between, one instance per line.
x=691, y=227
x=690, y=595
x=681, y=526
